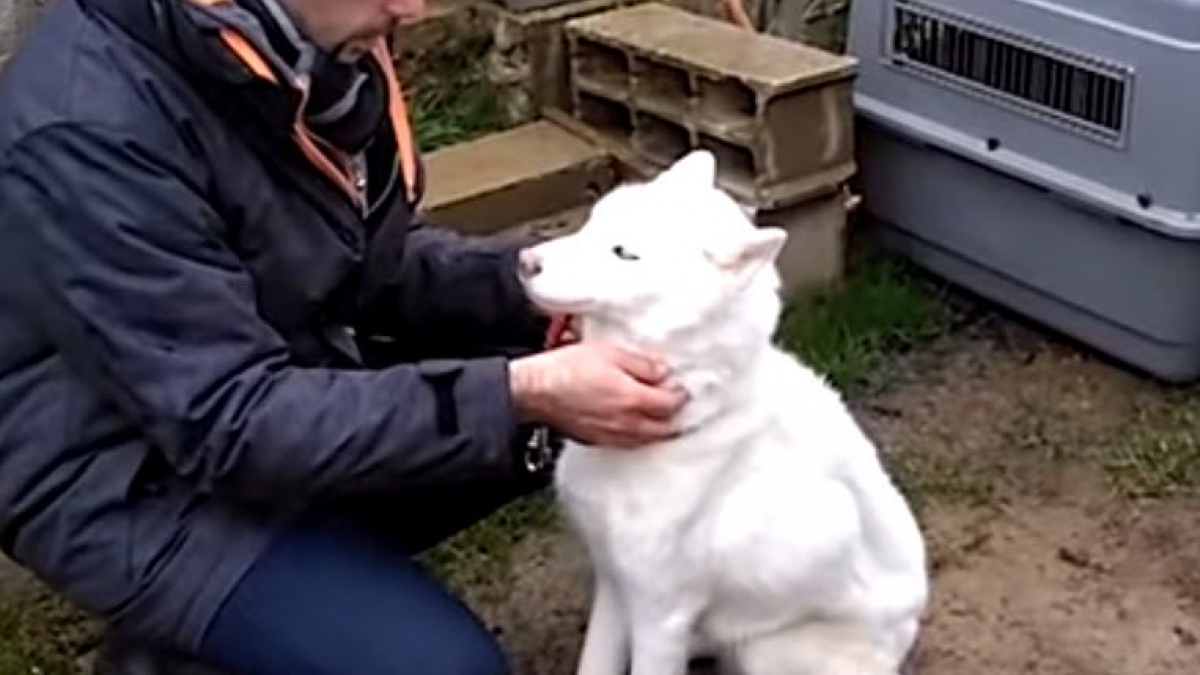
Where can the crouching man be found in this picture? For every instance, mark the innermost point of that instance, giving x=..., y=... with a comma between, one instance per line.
x=240, y=385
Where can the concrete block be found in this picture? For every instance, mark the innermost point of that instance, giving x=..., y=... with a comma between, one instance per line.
x=521, y=54
x=528, y=59
x=629, y=164
x=663, y=80
x=512, y=178
x=813, y=259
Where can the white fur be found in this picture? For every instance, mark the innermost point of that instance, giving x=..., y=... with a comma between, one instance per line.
x=768, y=534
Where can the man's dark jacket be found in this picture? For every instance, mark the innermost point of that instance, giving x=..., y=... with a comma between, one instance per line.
x=188, y=278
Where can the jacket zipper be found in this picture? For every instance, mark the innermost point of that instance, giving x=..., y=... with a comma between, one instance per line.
x=358, y=177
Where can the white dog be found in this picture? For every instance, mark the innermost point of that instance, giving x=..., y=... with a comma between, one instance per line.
x=768, y=533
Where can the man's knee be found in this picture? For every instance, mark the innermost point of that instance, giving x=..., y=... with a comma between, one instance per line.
x=326, y=600
x=475, y=654
x=469, y=652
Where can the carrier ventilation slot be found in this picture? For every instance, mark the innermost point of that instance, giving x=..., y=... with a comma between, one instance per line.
x=1036, y=78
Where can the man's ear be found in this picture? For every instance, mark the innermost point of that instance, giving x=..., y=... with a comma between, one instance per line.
x=742, y=258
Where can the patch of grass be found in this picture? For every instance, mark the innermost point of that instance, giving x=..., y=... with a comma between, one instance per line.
x=475, y=555
x=41, y=634
x=452, y=100
x=1158, y=454
x=924, y=478
x=881, y=307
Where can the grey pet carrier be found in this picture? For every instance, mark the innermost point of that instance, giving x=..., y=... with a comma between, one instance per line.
x=1045, y=154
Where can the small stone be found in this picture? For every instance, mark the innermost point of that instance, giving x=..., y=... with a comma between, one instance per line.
x=1076, y=558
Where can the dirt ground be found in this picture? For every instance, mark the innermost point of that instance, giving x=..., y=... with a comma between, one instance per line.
x=1057, y=493
x=1060, y=498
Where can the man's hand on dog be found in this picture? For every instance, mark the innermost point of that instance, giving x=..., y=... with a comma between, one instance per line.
x=598, y=394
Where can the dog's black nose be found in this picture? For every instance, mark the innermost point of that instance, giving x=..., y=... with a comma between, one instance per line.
x=529, y=264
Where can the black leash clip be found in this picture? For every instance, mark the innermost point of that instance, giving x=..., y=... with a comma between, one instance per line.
x=542, y=450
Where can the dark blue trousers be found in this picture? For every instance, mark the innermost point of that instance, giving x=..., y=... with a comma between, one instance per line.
x=339, y=593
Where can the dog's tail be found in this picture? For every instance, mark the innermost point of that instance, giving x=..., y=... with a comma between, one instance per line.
x=896, y=547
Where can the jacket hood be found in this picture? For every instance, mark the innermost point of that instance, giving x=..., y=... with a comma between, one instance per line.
x=347, y=100
x=243, y=29
x=330, y=103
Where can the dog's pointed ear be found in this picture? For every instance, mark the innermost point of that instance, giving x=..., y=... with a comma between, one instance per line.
x=743, y=257
x=696, y=168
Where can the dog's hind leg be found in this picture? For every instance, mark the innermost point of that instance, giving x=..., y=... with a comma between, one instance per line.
x=606, y=644
x=659, y=651
x=661, y=634
x=813, y=649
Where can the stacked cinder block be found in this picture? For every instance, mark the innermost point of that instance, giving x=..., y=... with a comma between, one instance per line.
x=518, y=46
x=652, y=82
x=537, y=178
x=528, y=60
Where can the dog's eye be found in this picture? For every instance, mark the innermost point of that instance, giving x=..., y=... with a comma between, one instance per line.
x=623, y=254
